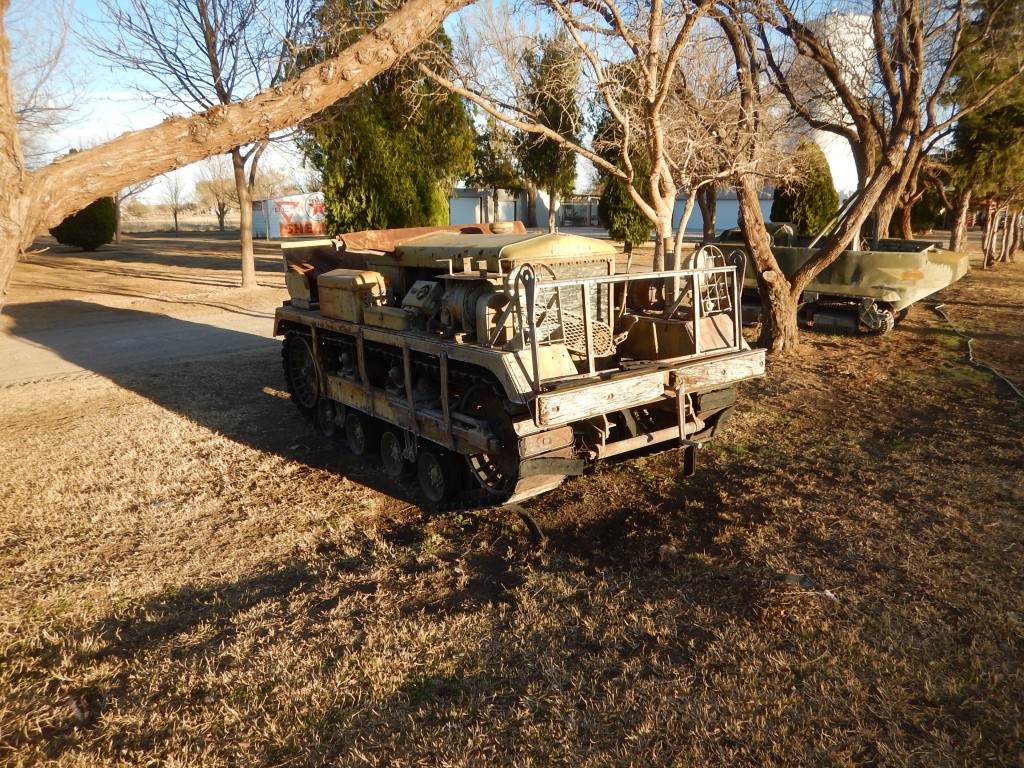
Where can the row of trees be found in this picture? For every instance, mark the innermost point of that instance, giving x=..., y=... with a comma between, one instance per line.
x=697, y=95
x=214, y=191
x=682, y=96
x=391, y=154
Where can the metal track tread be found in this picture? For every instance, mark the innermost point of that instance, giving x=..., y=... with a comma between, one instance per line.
x=474, y=498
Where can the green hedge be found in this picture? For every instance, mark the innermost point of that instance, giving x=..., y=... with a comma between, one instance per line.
x=90, y=228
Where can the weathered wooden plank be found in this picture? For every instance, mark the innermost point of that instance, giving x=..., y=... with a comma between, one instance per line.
x=720, y=372
x=575, y=404
x=582, y=402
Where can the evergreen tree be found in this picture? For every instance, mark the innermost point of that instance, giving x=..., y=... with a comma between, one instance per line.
x=925, y=212
x=390, y=154
x=619, y=213
x=621, y=216
x=493, y=158
x=812, y=201
x=987, y=161
x=552, y=80
x=90, y=228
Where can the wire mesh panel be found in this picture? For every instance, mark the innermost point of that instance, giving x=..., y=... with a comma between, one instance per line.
x=559, y=315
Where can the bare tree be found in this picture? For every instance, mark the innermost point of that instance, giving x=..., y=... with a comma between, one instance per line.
x=491, y=74
x=123, y=197
x=271, y=182
x=879, y=84
x=41, y=74
x=883, y=75
x=778, y=326
x=204, y=53
x=311, y=181
x=175, y=197
x=32, y=201
x=662, y=134
x=715, y=135
x=215, y=187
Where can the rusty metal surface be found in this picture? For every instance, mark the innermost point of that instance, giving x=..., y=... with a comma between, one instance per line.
x=387, y=240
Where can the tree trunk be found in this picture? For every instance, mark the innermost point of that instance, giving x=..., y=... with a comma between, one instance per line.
x=989, y=235
x=707, y=199
x=958, y=233
x=244, y=218
x=677, y=247
x=495, y=215
x=1004, y=243
x=778, y=317
x=222, y=213
x=988, y=238
x=663, y=236
x=174, y=213
x=531, y=205
x=903, y=178
x=32, y=201
x=885, y=209
x=552, y=202
x=118, y=201
x=906, y=225
x=1015, y=238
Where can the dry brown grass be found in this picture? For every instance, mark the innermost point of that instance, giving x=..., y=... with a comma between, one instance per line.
x=840, y=584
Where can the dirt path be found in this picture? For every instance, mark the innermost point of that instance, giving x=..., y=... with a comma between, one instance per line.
x=117, y=310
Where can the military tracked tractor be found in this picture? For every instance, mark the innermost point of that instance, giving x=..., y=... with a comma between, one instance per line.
x=492, y=366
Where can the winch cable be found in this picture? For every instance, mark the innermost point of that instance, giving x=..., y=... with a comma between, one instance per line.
x=938, y=307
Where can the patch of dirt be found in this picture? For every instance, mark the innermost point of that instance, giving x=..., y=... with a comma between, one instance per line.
x=190, y=575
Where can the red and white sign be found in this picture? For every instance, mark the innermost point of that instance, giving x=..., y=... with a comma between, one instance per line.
x=316, y=210
x=294, y=215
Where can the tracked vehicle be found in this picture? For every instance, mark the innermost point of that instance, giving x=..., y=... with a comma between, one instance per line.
x=863, y=291
x=492, y=366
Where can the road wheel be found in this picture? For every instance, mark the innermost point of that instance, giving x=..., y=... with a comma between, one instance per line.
x=392, y=456
x=498, y=472
x=360, y=433
x=327, y=418
x=439, y=474
x=886, y=322
x=300, y=372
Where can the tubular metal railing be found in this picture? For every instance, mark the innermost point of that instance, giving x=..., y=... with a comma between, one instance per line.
x=541, y=319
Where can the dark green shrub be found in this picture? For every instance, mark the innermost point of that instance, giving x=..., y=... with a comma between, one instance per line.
x=811, y=202
x=926, y=212
x=621, y=216
x=90, y=228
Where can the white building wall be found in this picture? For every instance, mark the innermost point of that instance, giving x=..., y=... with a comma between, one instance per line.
x=465, y=210
x=851, y=40
x=289, y=216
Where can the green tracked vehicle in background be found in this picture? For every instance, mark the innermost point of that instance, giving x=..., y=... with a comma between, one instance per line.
x=491, y=366
x=863, y=291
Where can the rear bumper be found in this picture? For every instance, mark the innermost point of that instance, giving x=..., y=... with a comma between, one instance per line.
x=632, y=390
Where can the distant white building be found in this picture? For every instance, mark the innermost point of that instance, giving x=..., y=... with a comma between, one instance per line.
x=850, y=38
x=475, y=206
x=289, y=216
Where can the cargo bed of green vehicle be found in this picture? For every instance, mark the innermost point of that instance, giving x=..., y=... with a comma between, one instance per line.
x=867, y=290
x=491, y=366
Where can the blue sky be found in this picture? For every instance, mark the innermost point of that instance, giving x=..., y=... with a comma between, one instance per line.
x=106, y=101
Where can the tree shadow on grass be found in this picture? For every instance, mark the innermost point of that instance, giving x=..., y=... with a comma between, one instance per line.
x=229, y=381
x=226, y=390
